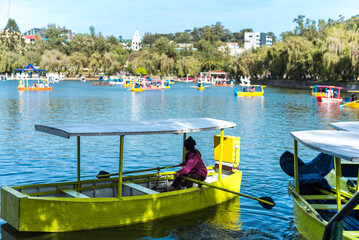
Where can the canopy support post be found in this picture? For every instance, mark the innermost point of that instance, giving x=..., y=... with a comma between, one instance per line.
x=357, y=187
x=338, y=175
x=184, y=149
x=120, y=168
x=220, y=154
x=78, y=163
x=296, y=171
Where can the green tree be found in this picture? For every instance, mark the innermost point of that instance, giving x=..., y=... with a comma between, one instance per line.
x=78, y=61
x=141, y=71
x=55, y=37
x=11, y=26
x=54, y=60
x=95, y=62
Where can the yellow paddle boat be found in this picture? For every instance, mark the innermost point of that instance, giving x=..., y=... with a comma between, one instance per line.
x=200, y=86
x=322, y=209
x=128, y=83
x=351, y=101
x=138, y=87
x=249, y=90
x=37, y=86
x=116, y=199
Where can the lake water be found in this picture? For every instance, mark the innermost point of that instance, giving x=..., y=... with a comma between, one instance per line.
x=263, y=123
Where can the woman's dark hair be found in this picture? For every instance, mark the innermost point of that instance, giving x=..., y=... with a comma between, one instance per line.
x=189, y=143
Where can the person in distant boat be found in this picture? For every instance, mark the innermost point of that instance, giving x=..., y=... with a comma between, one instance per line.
x=193, y=166
x=354, y=98
x=329, y=93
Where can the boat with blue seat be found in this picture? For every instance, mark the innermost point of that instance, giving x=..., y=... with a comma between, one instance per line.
x=323, y=206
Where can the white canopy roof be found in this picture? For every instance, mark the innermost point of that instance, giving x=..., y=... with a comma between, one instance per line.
x=135, y=128
x=340, y=144
x=346, y=126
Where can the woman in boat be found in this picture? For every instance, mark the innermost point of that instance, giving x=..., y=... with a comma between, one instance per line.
x=354, y=98
x=193, y=166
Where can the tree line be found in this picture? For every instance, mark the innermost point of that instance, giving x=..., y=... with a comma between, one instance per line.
x=323, y=50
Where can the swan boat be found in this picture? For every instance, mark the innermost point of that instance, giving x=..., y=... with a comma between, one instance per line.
x=118, y=199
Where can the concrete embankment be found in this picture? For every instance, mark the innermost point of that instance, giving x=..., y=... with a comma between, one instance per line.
x=306, y=84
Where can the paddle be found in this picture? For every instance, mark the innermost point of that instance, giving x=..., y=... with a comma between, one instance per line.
x=348, y=103
x=266, y=202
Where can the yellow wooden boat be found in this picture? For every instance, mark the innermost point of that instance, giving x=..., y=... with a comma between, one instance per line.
x=249, y=90
x=321, y=210
x=113, y=201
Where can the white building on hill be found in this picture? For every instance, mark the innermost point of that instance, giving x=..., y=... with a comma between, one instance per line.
x=234, y=49
x=136, y=41
x=254, y=40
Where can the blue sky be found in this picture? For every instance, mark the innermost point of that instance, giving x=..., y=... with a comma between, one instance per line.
x=170, y=16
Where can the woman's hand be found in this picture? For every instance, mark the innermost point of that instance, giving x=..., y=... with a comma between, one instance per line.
x=177, y=174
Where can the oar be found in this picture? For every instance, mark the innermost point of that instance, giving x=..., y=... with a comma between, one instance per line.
x=266, y=202
x=135, y=171
x=346, y=104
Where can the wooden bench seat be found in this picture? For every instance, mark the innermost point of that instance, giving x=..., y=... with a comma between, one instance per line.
x=139, y=188
x=73, y=193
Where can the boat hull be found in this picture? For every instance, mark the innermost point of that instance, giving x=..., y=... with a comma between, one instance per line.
x=351, y=104
x=137, y=89
x=318, y=94
x=249, y=94
x=61, y=214
x=306, y=222
x=326, y=99
x=34, y=89
x=309, y=225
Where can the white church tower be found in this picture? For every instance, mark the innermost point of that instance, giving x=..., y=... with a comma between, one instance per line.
x=136, y=41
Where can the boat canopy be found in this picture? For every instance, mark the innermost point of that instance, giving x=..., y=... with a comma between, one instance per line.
x=346, y=126
x=29, y=67
x=339, y=144
x=167, y=126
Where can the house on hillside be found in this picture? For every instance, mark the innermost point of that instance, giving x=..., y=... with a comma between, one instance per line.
x=234, y=49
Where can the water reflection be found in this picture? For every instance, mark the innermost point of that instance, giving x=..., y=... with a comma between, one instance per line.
x=328, y=110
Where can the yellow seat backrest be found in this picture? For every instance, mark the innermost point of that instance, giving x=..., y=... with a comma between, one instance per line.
x=231, y=151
